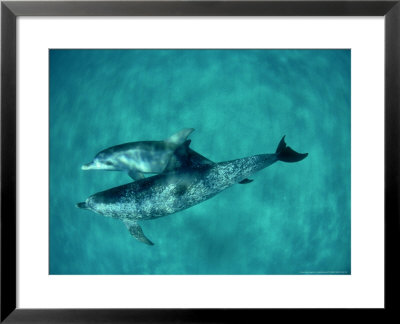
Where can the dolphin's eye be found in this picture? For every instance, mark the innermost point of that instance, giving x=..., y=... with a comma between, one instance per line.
x=108, y=163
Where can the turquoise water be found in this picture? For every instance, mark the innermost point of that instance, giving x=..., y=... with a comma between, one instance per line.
x=292, y=219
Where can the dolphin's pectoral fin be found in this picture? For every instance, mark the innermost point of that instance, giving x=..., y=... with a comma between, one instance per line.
x=246, y=181
x=137, y=232
x=136, y=175
x=180, y=137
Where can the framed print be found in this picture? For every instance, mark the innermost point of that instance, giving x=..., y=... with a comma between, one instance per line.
x=176, y=78
x=182, y=101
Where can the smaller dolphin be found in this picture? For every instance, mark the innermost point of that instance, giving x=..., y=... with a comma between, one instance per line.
x=138, y=158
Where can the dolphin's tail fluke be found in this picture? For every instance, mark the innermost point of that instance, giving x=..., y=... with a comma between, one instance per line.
x=286, y=154
x=82, y=205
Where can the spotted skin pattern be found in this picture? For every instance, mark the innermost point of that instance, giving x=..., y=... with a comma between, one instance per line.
x=169, y=193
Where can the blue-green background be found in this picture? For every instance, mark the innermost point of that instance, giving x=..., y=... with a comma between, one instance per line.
x=293, y=219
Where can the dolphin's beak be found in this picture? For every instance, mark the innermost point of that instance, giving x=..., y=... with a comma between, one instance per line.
x=88, y=166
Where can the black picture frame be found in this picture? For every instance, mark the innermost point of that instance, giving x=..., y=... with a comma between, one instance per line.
x=10, y=10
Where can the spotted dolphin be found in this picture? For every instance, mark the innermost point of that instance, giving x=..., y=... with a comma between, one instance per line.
x=168, y=193
x=137, y=158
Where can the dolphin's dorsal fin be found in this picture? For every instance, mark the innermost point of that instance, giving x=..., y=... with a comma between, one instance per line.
x=180, y=137
x=137, y=232
x=197, y=159
x=180, y=158
x=183, y=149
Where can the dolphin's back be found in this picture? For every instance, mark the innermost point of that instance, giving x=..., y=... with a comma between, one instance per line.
x=143, y=145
